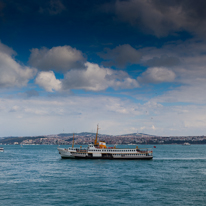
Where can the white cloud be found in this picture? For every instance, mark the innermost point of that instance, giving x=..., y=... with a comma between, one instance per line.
x=48, y=81
x=96, y=78
x=13, y=74
x=186, y=60
x=179, y=61
x=157, y=75
x=190, y=74
x=61, y=58
x=6, y=50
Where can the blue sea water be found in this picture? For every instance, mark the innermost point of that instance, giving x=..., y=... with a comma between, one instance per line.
x=36, y=175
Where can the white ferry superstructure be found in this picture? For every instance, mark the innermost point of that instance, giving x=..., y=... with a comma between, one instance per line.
x=99, y=150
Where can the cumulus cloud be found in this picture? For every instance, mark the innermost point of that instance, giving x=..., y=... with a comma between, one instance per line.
x=96, y=78
x=121, y=56
x=187, y=59
x=12, y=73
x=7, y=50
x=190, y=74
x=161, y=17
x=157, y=75
x=48, y=81
x=60, y=59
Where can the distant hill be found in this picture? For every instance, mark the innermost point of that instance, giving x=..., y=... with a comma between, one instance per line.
x=8, y=137
x=135, y=135
x=81, y=134
x=88, y=137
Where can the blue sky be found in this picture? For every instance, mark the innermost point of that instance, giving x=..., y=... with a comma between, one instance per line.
x=131, y=66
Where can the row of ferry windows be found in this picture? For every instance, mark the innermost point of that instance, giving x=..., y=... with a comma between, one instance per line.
x=131, y=154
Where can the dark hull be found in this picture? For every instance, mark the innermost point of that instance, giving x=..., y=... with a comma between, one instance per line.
x=111, y=158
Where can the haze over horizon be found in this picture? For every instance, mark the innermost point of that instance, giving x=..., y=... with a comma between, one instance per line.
x=80, y=133
x=133, y=66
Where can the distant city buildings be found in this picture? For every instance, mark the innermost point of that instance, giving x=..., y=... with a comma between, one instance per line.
x=83, y=139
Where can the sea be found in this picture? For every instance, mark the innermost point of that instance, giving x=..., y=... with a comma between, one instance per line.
x=36, y=175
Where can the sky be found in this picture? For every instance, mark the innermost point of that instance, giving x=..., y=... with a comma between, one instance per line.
x=131, y=66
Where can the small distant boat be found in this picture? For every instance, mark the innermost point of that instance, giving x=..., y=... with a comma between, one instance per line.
x=186, y=144
x=1, y=149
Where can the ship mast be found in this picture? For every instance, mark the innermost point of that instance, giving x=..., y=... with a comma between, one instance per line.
x=95, y=141
x=73, y=141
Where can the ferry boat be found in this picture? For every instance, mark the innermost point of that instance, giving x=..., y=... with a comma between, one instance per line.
x=186, y=144
x=99, y=150
x=1, y=149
